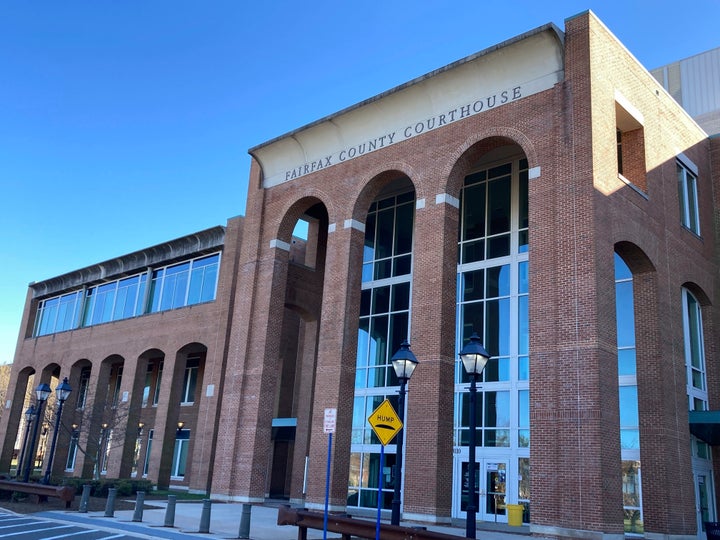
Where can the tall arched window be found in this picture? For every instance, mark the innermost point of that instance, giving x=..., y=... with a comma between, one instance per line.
x=384, y=324
x=694, y=352
x=628, y=392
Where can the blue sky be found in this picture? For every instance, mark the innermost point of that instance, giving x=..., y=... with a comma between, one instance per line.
x=127, y=123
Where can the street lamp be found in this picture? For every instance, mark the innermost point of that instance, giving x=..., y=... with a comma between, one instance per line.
x=62, y=391
x=29, y=414
x=474, y=357
x=41, y=392
x=404, y=363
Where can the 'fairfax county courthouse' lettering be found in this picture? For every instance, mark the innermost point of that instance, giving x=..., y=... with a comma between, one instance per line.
x=408, y=132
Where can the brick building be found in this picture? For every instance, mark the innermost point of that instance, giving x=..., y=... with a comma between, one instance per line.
x=546, y=193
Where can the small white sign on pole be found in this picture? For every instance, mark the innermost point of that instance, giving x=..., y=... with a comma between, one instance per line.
x=330, y=420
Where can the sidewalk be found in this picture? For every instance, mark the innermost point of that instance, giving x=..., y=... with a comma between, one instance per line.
x=225, y=523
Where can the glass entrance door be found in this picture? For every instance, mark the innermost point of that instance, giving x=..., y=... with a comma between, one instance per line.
x=703, y=498
x=491, y=486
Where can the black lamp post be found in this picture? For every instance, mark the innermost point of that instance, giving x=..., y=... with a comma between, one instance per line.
x=474, y=357
x=29, y=415
x=62, y=391
x=404, y=363
x=41, y=392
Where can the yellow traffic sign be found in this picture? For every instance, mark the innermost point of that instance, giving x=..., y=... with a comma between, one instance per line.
x=385, y=422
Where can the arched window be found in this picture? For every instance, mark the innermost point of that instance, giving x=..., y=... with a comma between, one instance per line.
x=694, y=352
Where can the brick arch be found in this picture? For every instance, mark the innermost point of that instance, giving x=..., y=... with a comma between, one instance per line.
x=636, y=259
x=312, y=199
x=152, y=353
x=474, y=147
x=698, y=292
x=376, y=181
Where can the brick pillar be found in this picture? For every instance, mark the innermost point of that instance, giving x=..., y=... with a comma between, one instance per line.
x=304, y=406
x=165, y=424
x=251, y=382
x=90, y=419
x=205, y=439
x=428, y=473
x=574, y=411
x=11, y=417
x=335, y=373
x=15, y=395
x=125, y=429
x=667, y=479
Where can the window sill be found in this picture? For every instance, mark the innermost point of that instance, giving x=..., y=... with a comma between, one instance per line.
x=632, y=186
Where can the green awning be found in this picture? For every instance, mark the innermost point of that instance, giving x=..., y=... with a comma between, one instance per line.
x=705, y=425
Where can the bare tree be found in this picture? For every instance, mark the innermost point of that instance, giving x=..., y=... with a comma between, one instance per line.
x=4, y=383
x=96, y=431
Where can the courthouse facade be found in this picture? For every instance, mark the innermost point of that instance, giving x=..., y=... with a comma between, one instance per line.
x=546, y=193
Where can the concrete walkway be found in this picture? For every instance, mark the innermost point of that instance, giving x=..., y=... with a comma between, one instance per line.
x=225, y=523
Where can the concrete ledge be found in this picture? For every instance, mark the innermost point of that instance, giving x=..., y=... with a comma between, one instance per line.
x=563, y=532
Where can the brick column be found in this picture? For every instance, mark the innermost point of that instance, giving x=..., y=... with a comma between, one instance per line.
x=574, y=410
x=165, y=424
x=428, y=473
x=121, y=454
x=11, y=417
x=665, y=451
x=90, y=420
x=248, y=402
x=335, y=373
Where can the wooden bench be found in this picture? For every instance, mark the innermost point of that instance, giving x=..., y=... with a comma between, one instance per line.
x=64, y=493
x=352, y=527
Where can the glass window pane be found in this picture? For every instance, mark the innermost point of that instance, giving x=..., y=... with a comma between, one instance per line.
x=523, y=326
x=363, y=343
x=369, y=246
x=473, y=285
x=401, y=297
x=383, y=269
x=398, y=330
x=498, y=246
x=523, y=408
x=473, y=212
x=196, y=283
x=523, y=368
x=403, y=229
x=692, y=204
x=384, y=240
x=378, y=342
x=497, y=409
x=381, y=300
x=626, y=362
x=499, y=206
x=472, y=319
x=629, y=406
x=621, y=269
x=523, y=220
x=365, y=302
x=181, y=285
x=625, y=314
x=402, y=265
x=497, y=329
x=629, y=439
x=473, y=251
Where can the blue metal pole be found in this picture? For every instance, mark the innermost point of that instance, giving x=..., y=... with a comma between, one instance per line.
x=471, y=508
x=327, y=486
x=395, y=516
x=380, y=486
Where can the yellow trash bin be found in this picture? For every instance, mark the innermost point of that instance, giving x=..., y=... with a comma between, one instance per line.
x=515, y=513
